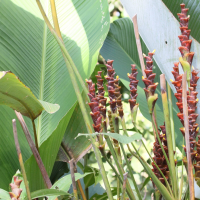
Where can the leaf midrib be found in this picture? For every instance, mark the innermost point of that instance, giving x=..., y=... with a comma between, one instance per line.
x=43, y=63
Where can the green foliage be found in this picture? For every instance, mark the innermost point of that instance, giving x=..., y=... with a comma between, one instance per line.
x=28, y=49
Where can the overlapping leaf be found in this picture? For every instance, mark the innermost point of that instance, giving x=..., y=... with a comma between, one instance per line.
x=16, y=95
x=28, y=49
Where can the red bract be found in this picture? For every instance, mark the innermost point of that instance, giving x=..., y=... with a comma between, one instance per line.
x=186, y=60
x=94, y=106
x=150, y=86
x=111, y=86
x=102, y=100
x=133, y=86
x=16, y=190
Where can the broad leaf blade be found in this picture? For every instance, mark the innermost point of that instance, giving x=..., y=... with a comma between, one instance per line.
x=28, y=49
x=120, y=46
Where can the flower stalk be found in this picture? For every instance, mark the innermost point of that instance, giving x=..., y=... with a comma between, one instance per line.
x=168, y=134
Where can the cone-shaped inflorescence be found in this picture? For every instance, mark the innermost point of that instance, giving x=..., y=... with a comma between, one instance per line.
x=114, y=95
x=111, y=86
x=133, y=88
x=150, y=86
x=187, y=56
x=197, y=165
x=160, y=161
x=192, y=78
x=95, y=113
x=15, y=188
x=102, y=100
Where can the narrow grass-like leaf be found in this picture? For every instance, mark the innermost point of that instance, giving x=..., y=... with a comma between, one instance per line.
x=120, y=138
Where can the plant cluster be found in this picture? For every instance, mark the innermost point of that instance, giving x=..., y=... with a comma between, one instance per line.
x=109, y=134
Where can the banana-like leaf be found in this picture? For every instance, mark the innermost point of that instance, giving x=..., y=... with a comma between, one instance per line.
x=159, y=29
x=28, y=49
x=120, y=46
x=16, y=95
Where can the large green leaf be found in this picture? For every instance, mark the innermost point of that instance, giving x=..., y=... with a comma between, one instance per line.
x=120, y=46
x=28, y=49
x=159, y=29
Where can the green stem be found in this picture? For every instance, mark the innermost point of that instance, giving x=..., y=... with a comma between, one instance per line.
x=62, y=46
x=130, y=172
x=71, y=69
x=157, y=182
x=125, y=132
x=113, y=168
x=101, y=168
x=118, y=189
x=169, y=135
x=124, y=187
x=171, y=117
x=120, y=169
x=35, y=135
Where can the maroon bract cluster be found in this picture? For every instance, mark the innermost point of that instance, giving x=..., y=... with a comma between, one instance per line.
x=94, y=106
x=186, y=60
x=184, y=37
x=150, y=86
x=118, y=97
x=160, y=160
x=16, y=190
x=111, y=86
x=133, y=86
x=102, y=100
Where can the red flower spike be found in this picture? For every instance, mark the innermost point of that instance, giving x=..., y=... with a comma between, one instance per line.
x=133, y=86
x=94, y=106
x=15, y=188
x=186, y=59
